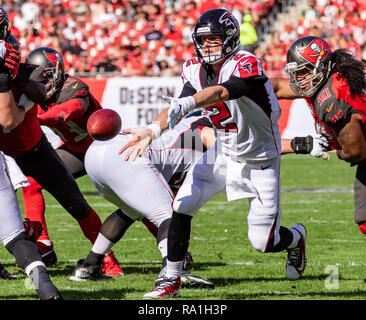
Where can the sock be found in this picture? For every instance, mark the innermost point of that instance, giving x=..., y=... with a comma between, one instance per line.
x=296, y=237
x=91, y=226
x=102, y=245
x=34, y=205
x=173, y=269
x=362, y=227
x=163, y=247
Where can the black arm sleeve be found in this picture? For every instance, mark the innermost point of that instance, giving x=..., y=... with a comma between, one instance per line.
x=4, y=82
x=187, y=90
x=239, y=87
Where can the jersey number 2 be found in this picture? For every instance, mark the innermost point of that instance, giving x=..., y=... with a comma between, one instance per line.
x=222, y=114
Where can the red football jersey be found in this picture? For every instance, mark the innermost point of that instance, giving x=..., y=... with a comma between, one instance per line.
x=25, y=136
x=334, y=104
x=68, y=115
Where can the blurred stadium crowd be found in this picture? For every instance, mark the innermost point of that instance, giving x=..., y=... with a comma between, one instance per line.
x=153, y=37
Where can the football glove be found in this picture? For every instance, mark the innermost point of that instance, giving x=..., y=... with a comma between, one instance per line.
x=320, y=146
x=178, y=108
x=12, y=59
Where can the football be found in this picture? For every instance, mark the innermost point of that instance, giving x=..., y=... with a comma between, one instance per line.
x=104, y=124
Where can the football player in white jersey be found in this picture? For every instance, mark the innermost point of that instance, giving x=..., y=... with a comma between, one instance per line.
x=245, y=161
x=143, y=189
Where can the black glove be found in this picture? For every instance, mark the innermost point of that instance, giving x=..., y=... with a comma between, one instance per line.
x=302, y=145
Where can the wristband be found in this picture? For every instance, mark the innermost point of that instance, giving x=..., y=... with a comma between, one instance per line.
x=25, y=103
x=155, y=128
x=303, y=145
x=189, y=104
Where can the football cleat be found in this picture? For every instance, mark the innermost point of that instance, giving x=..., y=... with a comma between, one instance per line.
x=111, y=265
x=296, y=257
x=168, y=288
x=48, y=254
x=190, y=280
x=4, y=274
x=33, y=229
x=88, y=273
x=49, y=293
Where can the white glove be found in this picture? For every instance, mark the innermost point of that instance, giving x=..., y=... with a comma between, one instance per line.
x=178, y=108
x=320, y=146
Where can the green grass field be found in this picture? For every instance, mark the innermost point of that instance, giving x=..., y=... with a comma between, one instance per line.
x=316, y=193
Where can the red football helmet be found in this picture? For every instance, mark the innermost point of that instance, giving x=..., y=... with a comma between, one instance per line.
x=308, y=55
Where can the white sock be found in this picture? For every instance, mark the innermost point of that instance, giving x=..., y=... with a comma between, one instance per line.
x=173, y=269
x=163, y=247
x=102, y=245
x=296, y=237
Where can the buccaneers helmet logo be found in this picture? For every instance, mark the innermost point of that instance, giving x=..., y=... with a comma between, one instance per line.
x=317, y=48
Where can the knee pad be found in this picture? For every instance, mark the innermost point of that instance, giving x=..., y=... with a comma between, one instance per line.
x=362, y=227
x=258, y=238
x=187, y=200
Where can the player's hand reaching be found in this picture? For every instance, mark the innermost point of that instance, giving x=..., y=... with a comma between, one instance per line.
x=139, y=142
x=178, y=108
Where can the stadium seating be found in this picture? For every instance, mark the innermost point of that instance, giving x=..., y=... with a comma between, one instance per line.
x=152, y=38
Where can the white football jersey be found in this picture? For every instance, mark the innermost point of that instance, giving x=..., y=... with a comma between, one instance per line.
x=246, y=128
x=176, y=150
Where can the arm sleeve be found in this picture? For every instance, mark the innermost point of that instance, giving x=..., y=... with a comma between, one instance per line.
x=62, y=113
x=238, y=87
x=4, y=82
x=187, y=90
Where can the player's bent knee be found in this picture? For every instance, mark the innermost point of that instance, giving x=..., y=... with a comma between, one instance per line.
x=187, y=200
x=258, y=240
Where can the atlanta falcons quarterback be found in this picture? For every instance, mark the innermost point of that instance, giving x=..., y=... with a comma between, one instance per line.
x=231, y=85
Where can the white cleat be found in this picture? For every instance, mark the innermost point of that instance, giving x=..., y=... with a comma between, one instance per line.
x=296, y=257
x=167, y=288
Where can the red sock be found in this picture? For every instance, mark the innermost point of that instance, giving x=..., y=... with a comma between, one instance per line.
x=34, y=206
x=362, y=227
x=91, y=226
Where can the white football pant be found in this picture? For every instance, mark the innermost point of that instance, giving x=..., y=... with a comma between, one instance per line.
x=207, y=178
x=11, y=224
x=136, y=187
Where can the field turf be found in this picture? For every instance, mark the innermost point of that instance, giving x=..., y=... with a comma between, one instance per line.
x=315, y=192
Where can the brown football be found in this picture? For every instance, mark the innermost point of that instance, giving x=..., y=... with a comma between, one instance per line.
x=104, y=124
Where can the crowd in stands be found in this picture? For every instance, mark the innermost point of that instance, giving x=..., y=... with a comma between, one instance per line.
x=153, y=37
x=131, y=37
x=341, y=22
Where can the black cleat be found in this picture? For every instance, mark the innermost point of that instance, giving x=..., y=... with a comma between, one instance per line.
x=88, y=273
x=4, y=274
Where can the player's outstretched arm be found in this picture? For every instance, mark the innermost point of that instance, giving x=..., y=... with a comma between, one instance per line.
x=316, y=146
x=282, y=89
